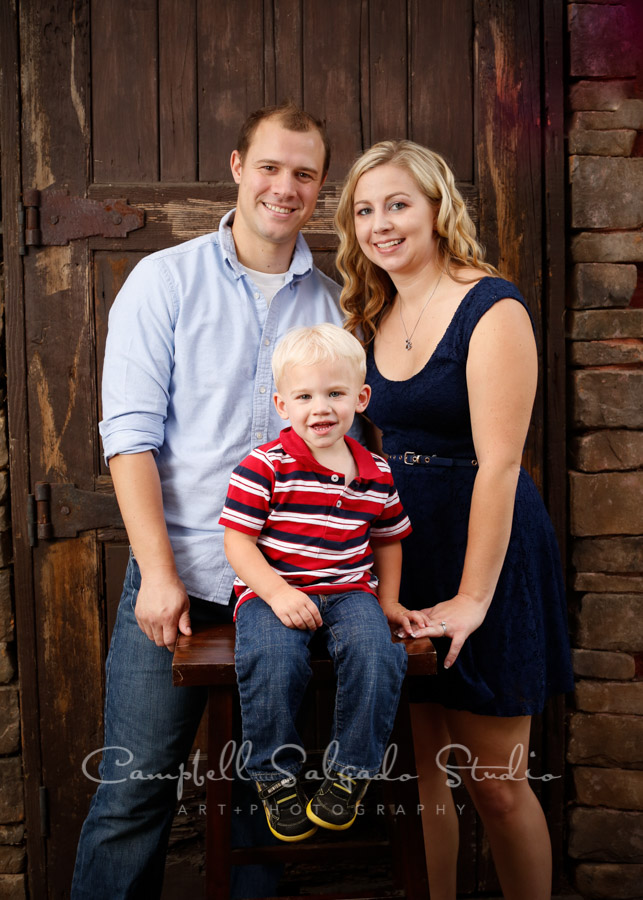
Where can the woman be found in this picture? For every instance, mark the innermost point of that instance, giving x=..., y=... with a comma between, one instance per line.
x=452, y=365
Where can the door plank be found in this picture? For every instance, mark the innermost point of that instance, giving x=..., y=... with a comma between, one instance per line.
x=441, y=38
x=508, y=153
x=231, y=81
x=288, y=64
x=388, y=71
x=177, y=90
x=125, y=91
x=70, y=664
x=10, y=160
x=332, y=75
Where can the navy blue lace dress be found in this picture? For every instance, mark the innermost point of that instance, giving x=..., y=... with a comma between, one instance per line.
x=520, y=654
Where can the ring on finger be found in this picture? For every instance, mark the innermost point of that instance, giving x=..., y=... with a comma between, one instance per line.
x=444, y=628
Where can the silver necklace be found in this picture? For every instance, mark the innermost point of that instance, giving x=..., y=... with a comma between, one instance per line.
x=408, y=343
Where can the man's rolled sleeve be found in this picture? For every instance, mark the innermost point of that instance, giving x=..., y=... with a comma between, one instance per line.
x=139, y=356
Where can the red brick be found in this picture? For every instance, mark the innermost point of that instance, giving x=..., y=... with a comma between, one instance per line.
x=604, y=324
x=600, y=41
x=606, y=398
x=608, y=449
x=606, y=835
x=619, y=247
x=6, y=613
x=606, y=353
x=597, y=739
x=610, y=622
x=606, y=192
x=610, y=697
x=618, y=142
x=597, y=285
x=613, y=554
x=9, y=722
x=606, y=503
x=614, y=788
x=11, y=794
x=599, y=94
x=13, y=887
x=609, y=881
x=603, y=664
x=628, y=115
x=598, y=581
x=7, y=663
x=12, y=860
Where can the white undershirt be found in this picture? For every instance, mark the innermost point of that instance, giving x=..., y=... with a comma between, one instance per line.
x=267, y=282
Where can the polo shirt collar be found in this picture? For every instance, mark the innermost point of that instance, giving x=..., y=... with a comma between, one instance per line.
x=301, y=263
x=367, y=469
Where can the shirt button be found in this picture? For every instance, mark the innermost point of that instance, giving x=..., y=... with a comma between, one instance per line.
x=259, y=435
x=262, y=389
x=266, y=343
x=334, y=477
x=339, y=503
x=257, y=296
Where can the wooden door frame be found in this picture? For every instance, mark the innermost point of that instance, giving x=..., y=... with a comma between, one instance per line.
x=553, y=268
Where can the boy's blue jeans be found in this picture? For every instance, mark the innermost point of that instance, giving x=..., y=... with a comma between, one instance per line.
x=150, y=726
x=273, y=670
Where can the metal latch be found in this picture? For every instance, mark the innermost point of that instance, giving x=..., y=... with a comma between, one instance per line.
x=62, y=511
x=53, y=218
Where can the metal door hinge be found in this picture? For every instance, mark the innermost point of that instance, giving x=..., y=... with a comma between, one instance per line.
x=62, y=511
x=53, y=218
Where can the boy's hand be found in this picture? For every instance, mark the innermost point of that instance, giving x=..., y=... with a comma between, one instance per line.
x=295, y=610
x=407, y=620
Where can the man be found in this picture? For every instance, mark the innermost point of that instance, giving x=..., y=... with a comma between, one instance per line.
x=187, y=393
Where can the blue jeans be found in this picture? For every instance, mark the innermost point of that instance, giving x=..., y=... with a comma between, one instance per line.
x=273, y=669
x=150, y=726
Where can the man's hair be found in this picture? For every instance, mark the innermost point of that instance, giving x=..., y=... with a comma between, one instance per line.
x=318, y=344
x=290, y=117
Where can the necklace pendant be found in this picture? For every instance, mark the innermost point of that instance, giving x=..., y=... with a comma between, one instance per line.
x=408, y=344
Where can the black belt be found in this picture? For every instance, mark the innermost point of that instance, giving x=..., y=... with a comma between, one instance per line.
x=410, y=458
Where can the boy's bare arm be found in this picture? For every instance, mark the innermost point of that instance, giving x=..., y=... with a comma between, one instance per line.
x=292, y=607
x=387, y=565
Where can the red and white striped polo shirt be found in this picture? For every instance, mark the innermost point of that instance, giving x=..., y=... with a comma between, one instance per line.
x=314, y=529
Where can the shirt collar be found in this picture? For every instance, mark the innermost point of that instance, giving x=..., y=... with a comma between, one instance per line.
x=301, y=263
x=367, y=469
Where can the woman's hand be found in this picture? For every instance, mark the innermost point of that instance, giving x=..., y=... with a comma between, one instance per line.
x=408, y=621
x=461, y=616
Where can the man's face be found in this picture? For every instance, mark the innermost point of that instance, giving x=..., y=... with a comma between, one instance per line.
x=279, y=181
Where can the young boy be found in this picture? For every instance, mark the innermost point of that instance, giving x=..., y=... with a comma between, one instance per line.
x=309, y=519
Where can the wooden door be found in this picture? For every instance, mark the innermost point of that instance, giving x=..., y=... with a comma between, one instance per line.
x=141, y=101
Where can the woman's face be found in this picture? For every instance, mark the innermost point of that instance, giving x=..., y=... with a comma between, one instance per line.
x=394, y=221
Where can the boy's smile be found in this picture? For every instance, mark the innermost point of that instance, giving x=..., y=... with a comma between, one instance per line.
x=321, y=401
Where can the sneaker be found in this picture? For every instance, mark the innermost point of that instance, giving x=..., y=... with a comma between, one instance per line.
x=336, y=802
x=285, y=805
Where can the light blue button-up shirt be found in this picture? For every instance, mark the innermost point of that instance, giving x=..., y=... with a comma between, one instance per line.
x=188, y=375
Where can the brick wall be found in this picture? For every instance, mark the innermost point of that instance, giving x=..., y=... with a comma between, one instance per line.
x=12, y=850
x=605, y=394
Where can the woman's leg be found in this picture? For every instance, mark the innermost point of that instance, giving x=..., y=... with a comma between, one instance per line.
x=439, y=817
x=512, y=816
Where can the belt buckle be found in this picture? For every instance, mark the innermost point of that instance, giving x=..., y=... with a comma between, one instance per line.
x=414, y=458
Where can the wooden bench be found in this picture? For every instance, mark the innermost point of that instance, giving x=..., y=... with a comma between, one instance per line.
x=207, y=658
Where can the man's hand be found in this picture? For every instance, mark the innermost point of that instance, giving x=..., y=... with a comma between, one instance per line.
x=163, y=607
x=295, y=609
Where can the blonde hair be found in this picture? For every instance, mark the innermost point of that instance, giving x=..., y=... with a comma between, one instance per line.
x=317, y=344
x=368, y=290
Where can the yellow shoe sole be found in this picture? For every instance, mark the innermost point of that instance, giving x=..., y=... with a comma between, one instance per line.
x=315, y=818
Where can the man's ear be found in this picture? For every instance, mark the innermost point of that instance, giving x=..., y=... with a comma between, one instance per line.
x=235, y=165
x=363, y=398
x=280, y=406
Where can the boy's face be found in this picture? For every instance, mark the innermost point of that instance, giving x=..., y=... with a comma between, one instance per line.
x=321, y=401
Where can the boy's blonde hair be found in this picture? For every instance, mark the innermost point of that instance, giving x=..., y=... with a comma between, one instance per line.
x=316, y=344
